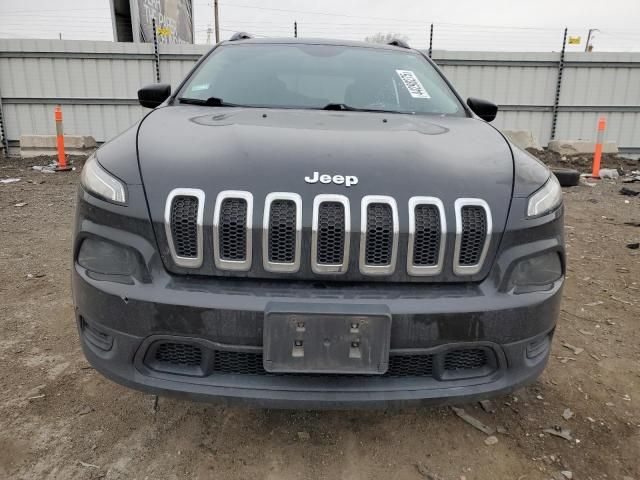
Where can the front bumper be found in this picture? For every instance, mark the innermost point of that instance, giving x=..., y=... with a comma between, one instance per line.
x=119, y=324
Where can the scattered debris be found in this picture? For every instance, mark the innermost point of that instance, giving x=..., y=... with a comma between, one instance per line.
x=576, y=350
x=585, y=332
x=561, y=432
x=21, y=204
x=567, y=414
x=488, y=406
x=610, y=173
x=629, y=192
x=422, y=470
x=88, y=465
x=85, y=411
x=620, y=300
x=9, y=180
x=36, y=397
x=474, y=422
x=491, y=440
x=51, y=168
x=567, y=474
x=632, y=224
x=304, y=436
x=501, y=430
x=633, y=246
x=154, y=407
x=594, y=304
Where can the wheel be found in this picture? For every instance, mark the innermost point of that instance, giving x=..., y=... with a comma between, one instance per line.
x=568, y=177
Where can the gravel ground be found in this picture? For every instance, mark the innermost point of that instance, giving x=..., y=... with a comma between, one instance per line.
x=61, y=419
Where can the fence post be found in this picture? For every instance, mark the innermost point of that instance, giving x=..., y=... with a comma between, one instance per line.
x=155, y=50
x=3, y=134
x=431, y=41
x=556, y=101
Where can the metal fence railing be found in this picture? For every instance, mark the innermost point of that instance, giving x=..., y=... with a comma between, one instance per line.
x=97, y=83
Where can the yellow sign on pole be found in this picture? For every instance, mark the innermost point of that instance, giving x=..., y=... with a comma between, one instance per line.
x=574, y=40
x=164, y=32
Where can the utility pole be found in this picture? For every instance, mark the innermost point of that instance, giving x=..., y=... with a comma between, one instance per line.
x=295, y=29
x=431, y=41
x=588, y=47
x=209, y=32
x=215, y=19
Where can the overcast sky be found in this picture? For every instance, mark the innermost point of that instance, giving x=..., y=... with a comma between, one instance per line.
x=527, y=25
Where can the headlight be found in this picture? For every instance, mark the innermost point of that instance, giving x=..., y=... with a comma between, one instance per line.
x=96, y=180
x=548, y=198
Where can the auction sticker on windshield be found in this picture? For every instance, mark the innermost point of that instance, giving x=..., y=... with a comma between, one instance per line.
x=414, y=86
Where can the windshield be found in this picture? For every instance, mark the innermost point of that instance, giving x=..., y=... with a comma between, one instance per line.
x=321, y=76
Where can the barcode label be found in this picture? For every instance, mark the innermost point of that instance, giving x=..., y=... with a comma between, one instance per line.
x=415, y=88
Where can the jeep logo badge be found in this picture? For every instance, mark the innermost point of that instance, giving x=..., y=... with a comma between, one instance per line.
x=346, y=180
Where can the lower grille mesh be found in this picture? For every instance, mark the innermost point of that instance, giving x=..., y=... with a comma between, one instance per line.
x=184, y=226
x=233, y=229
x=179, y=358
x=426, y=249
x=379, y=240
x=179, y=354
x=474, y=232
x=282, y=231
x=331, y=233
x=468, y=359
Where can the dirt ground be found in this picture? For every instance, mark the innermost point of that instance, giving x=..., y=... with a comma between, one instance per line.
x=60, y=419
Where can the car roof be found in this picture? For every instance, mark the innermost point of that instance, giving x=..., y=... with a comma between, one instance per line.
x=312, y=41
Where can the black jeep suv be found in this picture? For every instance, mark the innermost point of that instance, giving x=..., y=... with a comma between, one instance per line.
x=317, y=224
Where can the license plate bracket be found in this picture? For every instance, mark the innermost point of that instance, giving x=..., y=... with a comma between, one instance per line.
x=320, y=338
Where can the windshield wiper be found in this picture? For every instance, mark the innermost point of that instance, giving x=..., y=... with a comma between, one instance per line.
x=209, y=102
x=347, y=108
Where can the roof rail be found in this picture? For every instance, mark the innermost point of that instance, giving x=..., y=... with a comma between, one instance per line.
x=396, y=42
x=240, y=36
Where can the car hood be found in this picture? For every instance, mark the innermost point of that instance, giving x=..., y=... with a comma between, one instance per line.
x=269, y=150
x=264, y=151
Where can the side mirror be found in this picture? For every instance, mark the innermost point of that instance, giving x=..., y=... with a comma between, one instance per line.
x=484, y=109
x=153, y=95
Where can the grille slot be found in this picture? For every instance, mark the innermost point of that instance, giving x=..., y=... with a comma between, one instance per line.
x=183, y=226
x=281, y=232
x=331, y=229
x=427, y=236
x=232, y=230
x=469, y=359
x=330, y=233
x=379, y=243
x=473, y=231
x=379, y=235
x=426, y=249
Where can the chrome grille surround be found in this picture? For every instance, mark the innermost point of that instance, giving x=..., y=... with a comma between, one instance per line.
x=236, y=265
x=460, y=203
x=281, y=267
x=330, y=268
x=425, y=270
x=187, y=262
x=367, y=269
